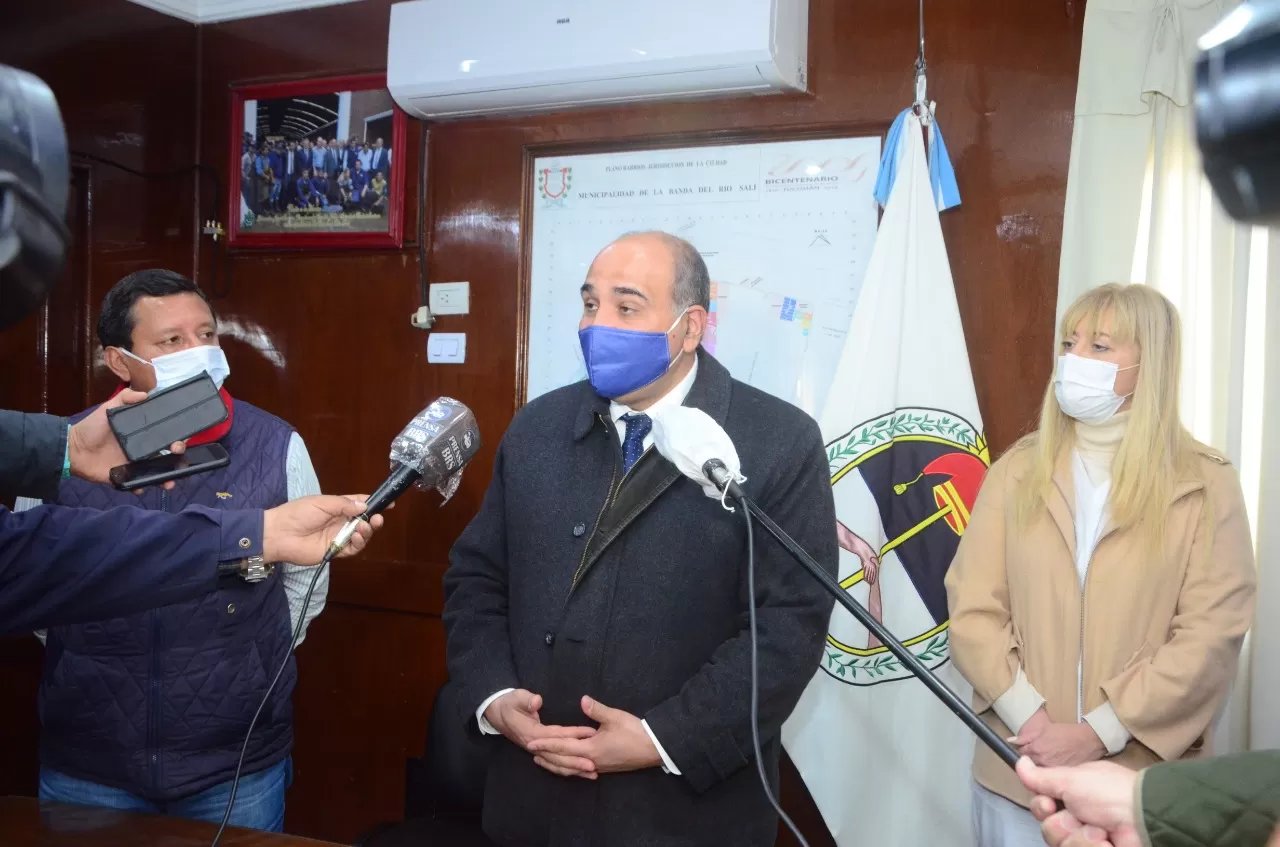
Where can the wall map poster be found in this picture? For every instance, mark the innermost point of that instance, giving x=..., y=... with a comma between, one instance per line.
x=786, y=229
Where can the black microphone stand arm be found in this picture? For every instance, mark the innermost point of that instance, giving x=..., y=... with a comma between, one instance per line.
x=722, y=479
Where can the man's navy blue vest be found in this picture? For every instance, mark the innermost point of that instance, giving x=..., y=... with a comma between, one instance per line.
x=158, y=703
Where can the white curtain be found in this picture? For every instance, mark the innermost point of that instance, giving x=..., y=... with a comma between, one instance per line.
x=1139, y=210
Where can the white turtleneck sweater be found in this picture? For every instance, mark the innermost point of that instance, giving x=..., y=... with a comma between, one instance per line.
x=1096, y=445
x=1095, y=450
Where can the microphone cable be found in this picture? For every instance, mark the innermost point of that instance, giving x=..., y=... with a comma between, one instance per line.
x=293, y=644
x=755, y=676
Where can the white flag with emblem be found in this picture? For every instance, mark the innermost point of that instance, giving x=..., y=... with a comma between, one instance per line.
x=885, y=761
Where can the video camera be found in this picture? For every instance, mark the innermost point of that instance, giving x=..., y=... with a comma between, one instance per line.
x=1237, y=110
x=34, y=180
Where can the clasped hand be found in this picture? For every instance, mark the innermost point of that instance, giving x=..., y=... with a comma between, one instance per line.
x=619, y=744
x=1057, y=744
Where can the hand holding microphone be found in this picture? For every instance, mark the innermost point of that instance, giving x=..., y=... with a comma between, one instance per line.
x=302, y=531
x=429, y=453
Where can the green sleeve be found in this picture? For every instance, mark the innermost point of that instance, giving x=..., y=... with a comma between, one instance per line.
x=1207, y=802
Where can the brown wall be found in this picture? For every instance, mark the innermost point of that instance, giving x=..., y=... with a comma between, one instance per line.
x=355, y=371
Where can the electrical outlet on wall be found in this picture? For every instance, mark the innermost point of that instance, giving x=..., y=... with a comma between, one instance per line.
x=449, y=298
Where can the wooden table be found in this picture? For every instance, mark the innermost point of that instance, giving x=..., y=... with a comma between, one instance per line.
x=26, y=822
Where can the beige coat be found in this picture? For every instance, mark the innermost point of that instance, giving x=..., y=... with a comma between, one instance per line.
x=1160, y=635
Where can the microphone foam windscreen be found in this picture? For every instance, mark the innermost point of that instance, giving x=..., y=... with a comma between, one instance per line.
x=688, y=438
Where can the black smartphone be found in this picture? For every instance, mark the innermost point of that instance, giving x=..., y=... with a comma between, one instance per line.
x=174, y=414
x=158, y=470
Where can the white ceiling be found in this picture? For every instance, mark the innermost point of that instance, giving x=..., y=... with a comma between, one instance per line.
x=211, y=11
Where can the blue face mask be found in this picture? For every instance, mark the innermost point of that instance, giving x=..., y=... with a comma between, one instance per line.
x=620, y=361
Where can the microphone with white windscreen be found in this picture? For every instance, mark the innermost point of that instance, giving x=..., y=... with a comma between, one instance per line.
x=700, y=449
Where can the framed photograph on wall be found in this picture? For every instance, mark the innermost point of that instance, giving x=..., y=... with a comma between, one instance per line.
x=316, y=164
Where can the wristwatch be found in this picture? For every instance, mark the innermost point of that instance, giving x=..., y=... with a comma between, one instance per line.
x=252, y=569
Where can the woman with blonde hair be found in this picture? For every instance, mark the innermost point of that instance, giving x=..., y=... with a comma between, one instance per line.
x=1105, y=581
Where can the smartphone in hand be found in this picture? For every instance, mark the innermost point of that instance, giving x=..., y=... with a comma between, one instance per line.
x=174, y=414
x=158, y=470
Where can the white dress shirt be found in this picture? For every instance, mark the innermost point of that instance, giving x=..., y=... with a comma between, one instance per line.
x=301, y=481
x=675, y=397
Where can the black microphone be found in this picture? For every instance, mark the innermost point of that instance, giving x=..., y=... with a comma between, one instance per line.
x=401, y=479
x=722, y=478
x=429, y=452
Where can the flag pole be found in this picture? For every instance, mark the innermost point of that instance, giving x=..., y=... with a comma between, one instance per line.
x=922, y=102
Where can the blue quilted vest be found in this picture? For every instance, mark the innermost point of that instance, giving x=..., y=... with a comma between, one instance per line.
x=158, y=703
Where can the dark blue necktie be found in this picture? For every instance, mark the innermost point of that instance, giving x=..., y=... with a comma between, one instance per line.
x=638, y=427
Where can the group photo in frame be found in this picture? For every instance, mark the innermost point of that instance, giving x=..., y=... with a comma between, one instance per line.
x=317, y=163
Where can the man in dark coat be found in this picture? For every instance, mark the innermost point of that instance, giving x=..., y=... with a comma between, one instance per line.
x=596, y=607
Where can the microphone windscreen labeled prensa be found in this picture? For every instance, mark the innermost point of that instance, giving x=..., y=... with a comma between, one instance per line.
x=430, y=452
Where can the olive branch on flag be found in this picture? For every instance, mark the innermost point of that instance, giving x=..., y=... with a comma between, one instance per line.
x=888, y=427
x=844, y=666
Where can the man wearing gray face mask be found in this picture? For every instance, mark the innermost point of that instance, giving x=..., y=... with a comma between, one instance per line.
x=147, y=712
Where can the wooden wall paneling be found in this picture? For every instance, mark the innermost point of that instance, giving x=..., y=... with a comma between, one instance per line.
x=359, y=714
x=70, y=340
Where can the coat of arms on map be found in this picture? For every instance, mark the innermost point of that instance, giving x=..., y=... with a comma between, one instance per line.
x=923, y=469
x=554, y=185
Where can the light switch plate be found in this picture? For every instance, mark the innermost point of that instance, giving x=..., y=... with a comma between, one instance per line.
x=447, y=348
x=449, y=298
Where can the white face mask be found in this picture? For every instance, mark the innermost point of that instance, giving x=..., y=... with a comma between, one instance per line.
x=173, y=368
x=1086, y=388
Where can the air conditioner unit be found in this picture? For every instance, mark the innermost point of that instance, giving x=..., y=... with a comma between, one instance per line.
x=459, y=58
